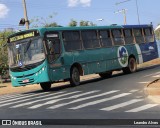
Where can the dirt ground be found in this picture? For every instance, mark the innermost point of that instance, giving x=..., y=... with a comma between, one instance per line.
x=6, y=88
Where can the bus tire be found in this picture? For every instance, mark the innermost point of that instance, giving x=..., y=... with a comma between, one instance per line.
x=132, y=66
x=74, y=76
x=105, y=74
x=45, y=86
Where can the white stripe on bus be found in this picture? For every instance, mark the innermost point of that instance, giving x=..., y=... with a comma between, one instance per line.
x=100, y=101
x=121, y=105
x=139, y=54
x=82, y=99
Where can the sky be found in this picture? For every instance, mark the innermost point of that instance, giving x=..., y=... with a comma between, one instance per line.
x=100, y=12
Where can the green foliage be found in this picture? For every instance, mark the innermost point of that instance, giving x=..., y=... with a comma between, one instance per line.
x=86, y=23
x=4, y=52
x=44, y=22
x=73, y=23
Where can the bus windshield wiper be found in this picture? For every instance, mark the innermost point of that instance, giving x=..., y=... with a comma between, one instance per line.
x=28, y=45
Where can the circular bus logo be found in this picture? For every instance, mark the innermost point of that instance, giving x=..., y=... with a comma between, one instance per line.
x=122, y=56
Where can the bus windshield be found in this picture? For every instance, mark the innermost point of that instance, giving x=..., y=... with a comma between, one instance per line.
x=25, y=52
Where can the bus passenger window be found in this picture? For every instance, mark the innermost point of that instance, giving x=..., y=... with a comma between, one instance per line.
x=72, y=40
x=105, y=38
x=128, y=36
x=138, y=35
x=90, y=39
x=117, y=37
x=148, y=35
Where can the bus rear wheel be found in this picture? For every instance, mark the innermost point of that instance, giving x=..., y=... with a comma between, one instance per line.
x=45, y=86
x=132, y=66
x=106, y=74
x=74, y=77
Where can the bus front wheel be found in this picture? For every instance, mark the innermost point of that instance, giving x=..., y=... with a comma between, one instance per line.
x=74, y=77
x=45, y=86
x=132, y=66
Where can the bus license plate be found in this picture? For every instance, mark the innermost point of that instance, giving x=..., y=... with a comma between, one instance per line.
x=25, y=81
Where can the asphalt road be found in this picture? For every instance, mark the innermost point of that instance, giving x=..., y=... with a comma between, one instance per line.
x=119, y=97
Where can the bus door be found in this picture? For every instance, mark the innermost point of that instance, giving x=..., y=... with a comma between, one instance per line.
x=54, y=50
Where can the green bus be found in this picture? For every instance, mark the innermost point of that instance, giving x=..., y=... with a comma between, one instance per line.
x=47, y=55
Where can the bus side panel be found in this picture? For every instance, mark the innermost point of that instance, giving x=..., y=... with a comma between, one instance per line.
x=149, y=51
x=132, y=51
x=122, y=55
x=81, y=57
x=94, y=60
x=109, y=56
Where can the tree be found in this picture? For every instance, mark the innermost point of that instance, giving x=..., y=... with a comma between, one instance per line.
x=86, y=23
x=44, y=22
x=4, y=52
x=73, y=23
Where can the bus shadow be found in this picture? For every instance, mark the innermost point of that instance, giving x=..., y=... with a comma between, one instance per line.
x=92, y=80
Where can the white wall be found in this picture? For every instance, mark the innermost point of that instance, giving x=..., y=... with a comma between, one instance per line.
x=158, y=44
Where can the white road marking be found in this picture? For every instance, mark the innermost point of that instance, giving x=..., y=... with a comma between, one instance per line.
x=49, y=98
x=121, y=105
x=144, y=107
x=23, y=100
x=56, y=100
x=22, y=97
x=144, y=82
x=133, y=91
x=9, y=96
x=156, y=76
x=100, y=101
x=139, y=97
x=82, y=99
x=152, y=74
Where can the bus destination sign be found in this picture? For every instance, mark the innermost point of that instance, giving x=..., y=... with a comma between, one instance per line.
x=23, y=36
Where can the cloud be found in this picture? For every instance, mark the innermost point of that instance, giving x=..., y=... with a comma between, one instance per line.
x=85, y=3
x=3, y=10
x=74, y=3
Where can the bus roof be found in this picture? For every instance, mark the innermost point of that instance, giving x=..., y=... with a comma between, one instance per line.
x=43, y=29
x=94, y=27
x=84, y=27
x=137, y=26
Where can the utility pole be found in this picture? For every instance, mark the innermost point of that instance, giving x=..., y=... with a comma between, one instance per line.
x=137, y=12
x=124, y=13
x=136, y=8
x=25, y=14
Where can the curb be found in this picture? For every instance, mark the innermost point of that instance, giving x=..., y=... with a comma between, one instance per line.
x=153, y=88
